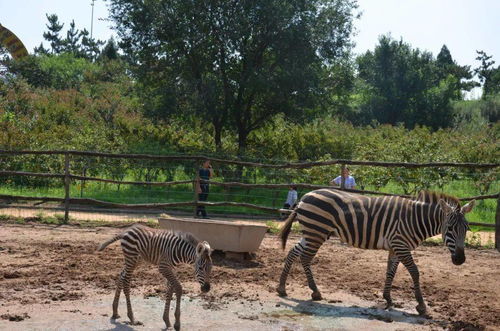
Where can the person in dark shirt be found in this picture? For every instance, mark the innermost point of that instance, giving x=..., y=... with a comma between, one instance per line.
x=205, y=173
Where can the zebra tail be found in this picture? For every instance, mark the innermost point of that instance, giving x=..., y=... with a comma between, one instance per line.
x=285, y=229
x=109, y=242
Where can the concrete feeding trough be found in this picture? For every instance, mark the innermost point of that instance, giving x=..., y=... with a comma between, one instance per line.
x=230, y=237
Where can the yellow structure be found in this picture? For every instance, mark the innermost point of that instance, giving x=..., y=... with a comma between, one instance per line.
x=10, y=41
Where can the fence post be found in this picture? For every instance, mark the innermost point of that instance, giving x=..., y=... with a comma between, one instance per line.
x=66, y=187
x=342, y=179
x=82, y=182
x=196, y=185
x=497, y=225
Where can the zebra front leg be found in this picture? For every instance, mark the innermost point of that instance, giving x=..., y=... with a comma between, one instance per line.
x=166, y=319
x=173, y=286
x=292, y=255
x=178, y=296
x=306, y=258
x=407, y=260
x=392, y=267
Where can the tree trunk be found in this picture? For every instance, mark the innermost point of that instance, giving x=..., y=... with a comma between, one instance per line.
x=242, y=142
x=218, y=137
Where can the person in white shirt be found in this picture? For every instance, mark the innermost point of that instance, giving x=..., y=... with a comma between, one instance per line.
x=349, y=183
x=291, y=198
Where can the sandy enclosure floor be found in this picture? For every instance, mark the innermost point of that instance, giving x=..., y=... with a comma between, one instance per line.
x=52, y=278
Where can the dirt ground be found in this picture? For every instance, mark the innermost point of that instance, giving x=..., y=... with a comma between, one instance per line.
x=44, y=265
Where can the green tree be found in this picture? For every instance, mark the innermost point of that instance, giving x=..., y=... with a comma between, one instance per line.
x=72, y=41
x=488, y=75
x=110, y=50
x=90, y=47
x=400, y=84
x=235, y=63
x=447, y=66
x=52, y=36
x=41, y=50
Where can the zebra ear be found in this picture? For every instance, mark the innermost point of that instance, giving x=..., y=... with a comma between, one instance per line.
x=207, y=251
x=200, y=248
x=468, y=207
x=203, y=248
x=445, y=206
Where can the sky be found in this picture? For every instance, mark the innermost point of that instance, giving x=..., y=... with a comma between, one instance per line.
x=463, y=25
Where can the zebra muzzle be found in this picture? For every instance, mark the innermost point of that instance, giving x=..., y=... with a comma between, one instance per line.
x=459, y=257
x=205, y=287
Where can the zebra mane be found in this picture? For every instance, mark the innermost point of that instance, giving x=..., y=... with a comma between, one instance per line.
x=188, y=237
x=433, y=197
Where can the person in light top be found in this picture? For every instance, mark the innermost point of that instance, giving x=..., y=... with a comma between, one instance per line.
x=291, y=198
x=349, y=183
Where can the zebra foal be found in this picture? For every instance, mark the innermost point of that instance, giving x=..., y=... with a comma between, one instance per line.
x=165, y=249
x=395, y=224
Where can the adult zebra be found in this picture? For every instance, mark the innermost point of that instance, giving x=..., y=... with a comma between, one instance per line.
x=391, y=223
x=165, y=249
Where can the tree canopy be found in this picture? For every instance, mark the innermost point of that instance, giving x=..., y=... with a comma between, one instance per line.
x=236, y=64
x=227, y=76
x=401, y=84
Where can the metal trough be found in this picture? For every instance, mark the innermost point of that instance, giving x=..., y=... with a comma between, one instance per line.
x=236, y=237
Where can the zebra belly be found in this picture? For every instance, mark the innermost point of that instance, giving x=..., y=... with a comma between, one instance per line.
x=378, y=242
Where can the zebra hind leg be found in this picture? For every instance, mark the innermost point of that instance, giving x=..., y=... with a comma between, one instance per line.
x=119, y=287
x=130, y=264
x=291, y=257
x=306, y=258
x=392, y=267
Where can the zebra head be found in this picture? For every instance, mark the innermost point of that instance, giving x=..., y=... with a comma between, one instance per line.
x=455, y=227
x=203, y=265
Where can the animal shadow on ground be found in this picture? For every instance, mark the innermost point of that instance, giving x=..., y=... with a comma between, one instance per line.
x=219, y=259
x=314, y=308
x=120, y=326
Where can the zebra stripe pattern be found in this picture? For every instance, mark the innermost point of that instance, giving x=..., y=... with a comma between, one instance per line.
x=165, y=249
x=391, y=223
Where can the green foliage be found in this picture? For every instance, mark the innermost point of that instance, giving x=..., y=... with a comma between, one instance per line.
x=273, y=227
x=260, y=81
x=78, y=43
x=476, y=113
x=52, y=35
x=488, y=74
x=64, y=71
x=237, y=64
x=60, y=72
x=405, y=85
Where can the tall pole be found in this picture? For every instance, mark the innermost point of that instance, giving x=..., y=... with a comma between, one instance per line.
x=92, y=20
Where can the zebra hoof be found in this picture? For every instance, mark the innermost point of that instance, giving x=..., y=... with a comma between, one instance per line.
x=316, y=296
x=115, y=317
x=422, y=311
x=281, y=292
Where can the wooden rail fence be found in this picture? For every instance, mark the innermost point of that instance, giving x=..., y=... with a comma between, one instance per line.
x=67, y=177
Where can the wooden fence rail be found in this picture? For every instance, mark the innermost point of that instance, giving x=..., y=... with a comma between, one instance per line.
x=68, y=177
x=291, y=165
